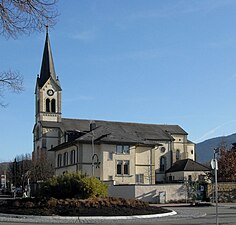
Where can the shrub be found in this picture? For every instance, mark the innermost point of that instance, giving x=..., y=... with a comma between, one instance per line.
x=92, y=187
x=72, y=185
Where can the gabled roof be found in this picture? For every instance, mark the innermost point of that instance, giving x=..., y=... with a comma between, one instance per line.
x=147, y=131
x=173, y=129
x=121, y=131
x=117, y=132
x=187, y=165
x=47, y=68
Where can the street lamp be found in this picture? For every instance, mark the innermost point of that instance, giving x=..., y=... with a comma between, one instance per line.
x=92, y=127
x=214, y=165
x=93, y=153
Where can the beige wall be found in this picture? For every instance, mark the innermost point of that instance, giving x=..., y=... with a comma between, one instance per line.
x=191, y=151
x=83, y=160
x=149, y=193
x=183, y=175
x=143, y=161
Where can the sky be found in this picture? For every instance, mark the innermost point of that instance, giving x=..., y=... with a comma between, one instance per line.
x=145, y=61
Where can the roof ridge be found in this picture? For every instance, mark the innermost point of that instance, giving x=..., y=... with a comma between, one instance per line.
x=123, y=122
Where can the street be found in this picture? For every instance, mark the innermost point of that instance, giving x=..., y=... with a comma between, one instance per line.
x=186, y=215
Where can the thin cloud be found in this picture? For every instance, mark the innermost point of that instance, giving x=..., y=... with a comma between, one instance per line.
x=86, y=35
x=212, y=132
x=181, y=7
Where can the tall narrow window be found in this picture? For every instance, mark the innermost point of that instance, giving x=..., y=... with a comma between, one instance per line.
x=47, y=105
x=37, y=133
x=177, y=154
x=126, y=167
x=53, y=105
x=44, y=143
x=110, y=155
x=72, y=157
x=122, y=167
x=38, y=106
x=162, y=163
x=119, y=167
x=59, y=160
x=65, y=159
x=140, y=178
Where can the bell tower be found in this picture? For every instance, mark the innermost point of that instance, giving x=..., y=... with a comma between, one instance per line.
x=48, y=88
x=48, y=91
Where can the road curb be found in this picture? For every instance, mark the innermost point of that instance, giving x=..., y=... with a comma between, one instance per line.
x=76, y=219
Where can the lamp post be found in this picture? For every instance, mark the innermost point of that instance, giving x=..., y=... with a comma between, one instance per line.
x=214, y=165
x=93, y=153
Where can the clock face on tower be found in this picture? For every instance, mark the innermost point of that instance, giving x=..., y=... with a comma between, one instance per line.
x=50, y=92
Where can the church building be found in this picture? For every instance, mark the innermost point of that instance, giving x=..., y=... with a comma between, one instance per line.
x=122, y=152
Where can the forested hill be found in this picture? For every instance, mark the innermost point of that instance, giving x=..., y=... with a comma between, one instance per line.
x=204, y=150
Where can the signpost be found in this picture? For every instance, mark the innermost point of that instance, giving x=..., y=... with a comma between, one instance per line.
x=214, y=166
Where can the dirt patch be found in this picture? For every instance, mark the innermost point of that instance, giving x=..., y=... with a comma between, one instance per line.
x=78, y=207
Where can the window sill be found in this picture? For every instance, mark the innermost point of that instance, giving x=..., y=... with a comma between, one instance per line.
x=123, y=175
x=122, y=153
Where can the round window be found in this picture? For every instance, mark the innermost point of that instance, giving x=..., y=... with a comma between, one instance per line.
x=163, y=149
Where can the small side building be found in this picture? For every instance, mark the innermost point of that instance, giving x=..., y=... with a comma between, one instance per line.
x=187, y=170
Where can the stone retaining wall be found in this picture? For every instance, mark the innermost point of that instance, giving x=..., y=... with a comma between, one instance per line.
x=226, y=191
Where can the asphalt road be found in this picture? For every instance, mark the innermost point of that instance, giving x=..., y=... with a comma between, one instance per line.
x=186, y=215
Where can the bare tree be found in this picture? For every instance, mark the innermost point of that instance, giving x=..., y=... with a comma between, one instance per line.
x=18, y=170
x=25, y=16
x=12, y=81
x=22, y=17
x=42, y=168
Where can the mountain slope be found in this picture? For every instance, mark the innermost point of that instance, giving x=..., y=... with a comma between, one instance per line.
x=205, y=149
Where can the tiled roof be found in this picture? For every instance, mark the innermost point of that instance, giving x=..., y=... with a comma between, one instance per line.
x=187, y=165
x=118, y=132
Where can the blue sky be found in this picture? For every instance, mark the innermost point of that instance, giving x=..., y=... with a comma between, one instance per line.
x=148, y=61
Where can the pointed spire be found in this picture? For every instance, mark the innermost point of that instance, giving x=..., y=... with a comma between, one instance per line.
x=47, y=67
x=46, y=29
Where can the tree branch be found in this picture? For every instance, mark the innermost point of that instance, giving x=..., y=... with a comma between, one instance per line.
x=26, y=16
x=12, y=81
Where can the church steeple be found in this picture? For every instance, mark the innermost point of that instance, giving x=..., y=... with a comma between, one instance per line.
x=48, y=89
x=47, y=68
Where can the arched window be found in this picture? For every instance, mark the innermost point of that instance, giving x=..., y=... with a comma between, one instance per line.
x=37, y=133
x=53, y=105
x=162, y=163
x=177, y=154
x=38, y=106
x=47, y=105
x=59, y=160
x=65, y=159
x=72, y=157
